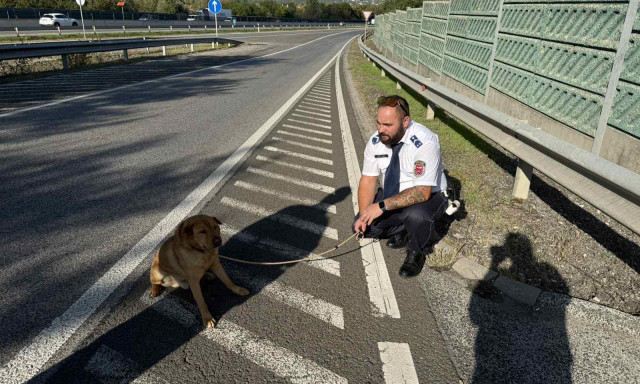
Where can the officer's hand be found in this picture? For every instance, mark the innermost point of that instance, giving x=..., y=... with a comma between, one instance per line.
x=371, y=213
x=360, y=226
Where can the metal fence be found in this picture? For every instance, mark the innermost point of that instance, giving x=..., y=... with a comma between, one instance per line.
x=575, y=63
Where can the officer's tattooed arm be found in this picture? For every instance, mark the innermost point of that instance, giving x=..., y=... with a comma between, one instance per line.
x=408, y=197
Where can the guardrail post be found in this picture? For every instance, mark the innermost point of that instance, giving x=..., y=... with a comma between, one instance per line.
x=217, y=45
x=213, y=45
x=228, y=45
x=171, y=28
x=191, y=47
x=124, y=29
x=17, y=32
x=205, y=27
x=431, y=111
x=382, y=74
x=65, y=62
x=164, y=50
x=125, y=53
x=59, y=31
x=148, y=52
x=398, y=86
x=522, y=182
x=189, y=28
x=94, y=30
x=149, y=27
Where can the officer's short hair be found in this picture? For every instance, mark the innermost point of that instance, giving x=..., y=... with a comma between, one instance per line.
x=395, y=101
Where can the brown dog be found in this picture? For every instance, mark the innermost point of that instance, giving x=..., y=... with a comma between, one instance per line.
x=186, y=256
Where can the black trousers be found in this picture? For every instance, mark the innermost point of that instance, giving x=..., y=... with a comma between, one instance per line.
x=418, y=220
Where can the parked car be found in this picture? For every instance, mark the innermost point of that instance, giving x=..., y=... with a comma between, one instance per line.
x=57, y=20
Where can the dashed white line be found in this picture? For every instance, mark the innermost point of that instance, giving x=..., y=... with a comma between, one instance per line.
x=397, y=363
x=311, y=118
x=299, y=155
x=315, y=171
x=316, y=100
x=314, y=107
x=258, y=350
x=311, y=124
x=314, y=131
x=318, y=229
x=302, y=145
x=306, y=137
x=313, y=203
x=321, y=94
x=292, y=180
x=328, y=265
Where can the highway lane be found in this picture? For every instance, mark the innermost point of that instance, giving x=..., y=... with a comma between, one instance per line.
x=83, y=181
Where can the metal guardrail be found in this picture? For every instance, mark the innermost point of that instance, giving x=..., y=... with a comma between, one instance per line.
x=607, y=186
x=23, y=51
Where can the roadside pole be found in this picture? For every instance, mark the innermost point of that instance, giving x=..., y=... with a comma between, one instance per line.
x=215, y=16
x=81, y=3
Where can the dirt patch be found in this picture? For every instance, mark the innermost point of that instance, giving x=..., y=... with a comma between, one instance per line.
x=554, y=240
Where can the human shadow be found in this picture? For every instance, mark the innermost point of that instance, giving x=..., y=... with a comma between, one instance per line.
x=130, y=348
x=515, y=343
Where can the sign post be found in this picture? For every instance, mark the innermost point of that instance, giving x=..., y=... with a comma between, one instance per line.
x=81, y=3
x=366, y=18
x=121, y=4
x=215, y=6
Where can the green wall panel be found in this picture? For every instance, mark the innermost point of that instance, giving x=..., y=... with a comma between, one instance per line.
x=475, y=7
x=470, y=75
x=432, y=44
x=578, y=109
x=412, y=42
x=412, y=28
x=435, y=27
x=518, y=51
x=468, y=50
x=595, y=25
x=414, y=14
x=636, y=25
x=585, y=68
x=437, y=9
x=511, y=81
x=631, y=69
x=626, y=109
x=401, y=16
x=561, y=1
x=473, y=27
x=526, y=20
x=431, y=61
x=411, y=55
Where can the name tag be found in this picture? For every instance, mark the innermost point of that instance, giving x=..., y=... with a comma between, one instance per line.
x=379, y=156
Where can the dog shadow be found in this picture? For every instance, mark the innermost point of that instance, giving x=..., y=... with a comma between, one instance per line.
x=160, y=331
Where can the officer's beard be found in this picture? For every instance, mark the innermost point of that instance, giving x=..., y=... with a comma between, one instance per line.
x=392, y=140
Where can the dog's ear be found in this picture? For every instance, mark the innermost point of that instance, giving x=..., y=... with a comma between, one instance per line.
x=184, y=232
x=216, y=220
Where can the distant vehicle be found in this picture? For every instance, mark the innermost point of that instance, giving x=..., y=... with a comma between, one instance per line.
x=192, y=18
x=57, y=20
x=204, y=14
x=148, y=16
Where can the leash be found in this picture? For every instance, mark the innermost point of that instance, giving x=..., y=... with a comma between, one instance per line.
x=312, y=256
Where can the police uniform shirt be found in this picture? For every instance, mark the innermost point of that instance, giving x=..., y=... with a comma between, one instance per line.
x=420, y=159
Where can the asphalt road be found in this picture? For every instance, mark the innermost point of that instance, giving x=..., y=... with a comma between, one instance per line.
x=89, y=185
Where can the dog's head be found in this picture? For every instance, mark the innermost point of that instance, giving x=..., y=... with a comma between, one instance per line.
x=201, y=232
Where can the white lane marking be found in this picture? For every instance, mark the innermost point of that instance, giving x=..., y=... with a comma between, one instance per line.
x=318, y=308
x=160, y=80
x=322, y=86
x=299, y=155
x=313, y=203
x=310, y=118
x=292, y=180
x=302, y=145
x=311, y=124
x=397, y=363
x=258, y=350
x=380, y=289
x=315, y=171
x=314, y=131
x=311, y=112
x=318, y=229
x=320, y=94
x=30, y=359
x=314, y=107
x=316, y=100
x=306, y=137
x=328, y=265
x=110, y=366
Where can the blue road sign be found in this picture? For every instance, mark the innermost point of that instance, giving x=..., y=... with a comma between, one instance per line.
x=215, y=6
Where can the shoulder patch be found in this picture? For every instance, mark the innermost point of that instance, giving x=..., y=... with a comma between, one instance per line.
x=415, y=141
x=375, y=139
x=418, y=168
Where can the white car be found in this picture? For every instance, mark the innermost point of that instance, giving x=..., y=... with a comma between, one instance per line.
x=57, y=20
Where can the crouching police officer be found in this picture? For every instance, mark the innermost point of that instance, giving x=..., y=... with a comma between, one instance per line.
x=411, y=200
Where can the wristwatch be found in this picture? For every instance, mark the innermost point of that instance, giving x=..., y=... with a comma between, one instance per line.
x=381, y=205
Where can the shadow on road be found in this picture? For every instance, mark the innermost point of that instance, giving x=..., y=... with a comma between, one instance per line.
x=516, y=344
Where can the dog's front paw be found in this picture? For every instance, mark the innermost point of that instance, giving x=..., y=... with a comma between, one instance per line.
x=240, y=291
x=208, y=321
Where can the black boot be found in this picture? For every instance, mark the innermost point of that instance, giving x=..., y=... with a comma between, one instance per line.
x=412, y=264
x=398, y=241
